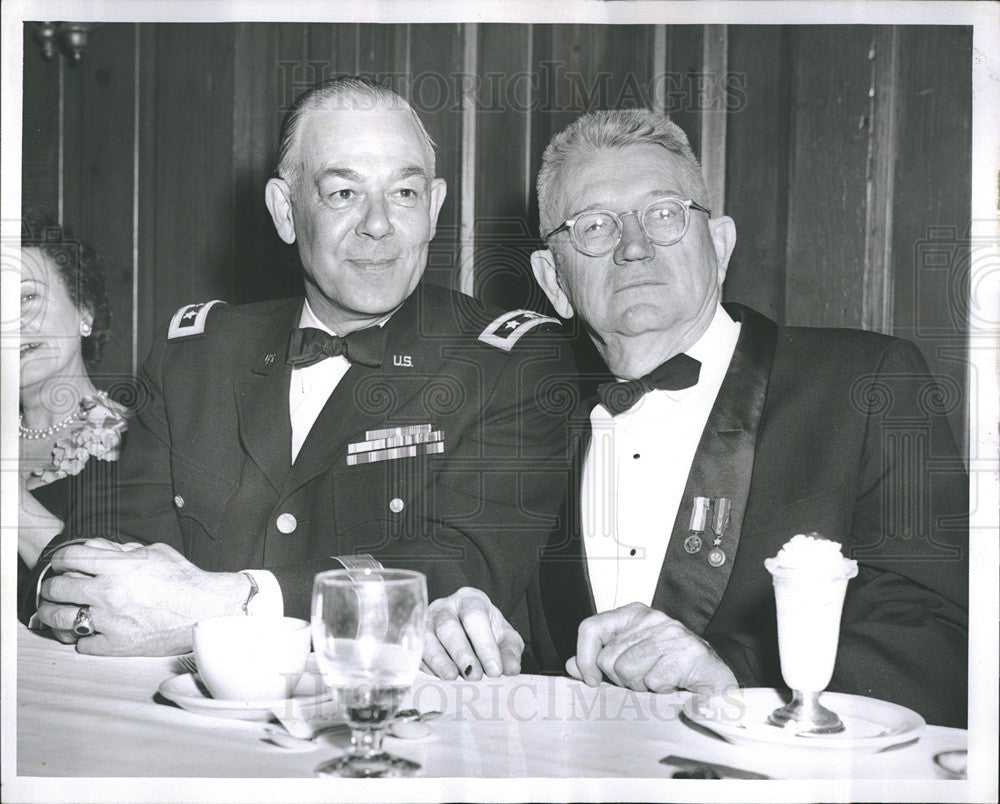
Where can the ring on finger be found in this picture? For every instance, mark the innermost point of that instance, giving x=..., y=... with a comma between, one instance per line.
x=82, y=624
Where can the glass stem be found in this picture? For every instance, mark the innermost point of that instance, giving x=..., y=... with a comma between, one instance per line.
x=366, y=741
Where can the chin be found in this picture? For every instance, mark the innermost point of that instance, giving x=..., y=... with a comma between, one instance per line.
x=643, y=318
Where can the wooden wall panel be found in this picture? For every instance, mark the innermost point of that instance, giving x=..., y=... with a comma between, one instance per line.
x=99, y=164
x=502, y=234
x=757, y=163
x=827, y=187
x=683, y=71
x=931, y=218
x=270, y=69
x=39, y=127
x=435, y=87
x=193, y=135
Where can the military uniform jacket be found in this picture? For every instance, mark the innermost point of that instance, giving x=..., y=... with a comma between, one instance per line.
x=837, y=431
x=448, y=459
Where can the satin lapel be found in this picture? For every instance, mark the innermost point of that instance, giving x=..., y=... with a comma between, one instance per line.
x=564, y=580
x=363, y=400
x=262, y=398
x=690, y=587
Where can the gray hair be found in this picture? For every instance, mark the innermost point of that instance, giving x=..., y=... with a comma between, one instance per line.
x=614, y=128
x=353, y=92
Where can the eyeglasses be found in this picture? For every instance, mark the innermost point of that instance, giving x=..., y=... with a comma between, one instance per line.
x=663, y=220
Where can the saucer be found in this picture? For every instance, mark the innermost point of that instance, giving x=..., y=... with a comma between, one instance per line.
x=187, y=692
x=741, y=718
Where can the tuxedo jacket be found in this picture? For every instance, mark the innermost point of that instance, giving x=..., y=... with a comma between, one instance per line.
x=841, y=432
x=207, y=465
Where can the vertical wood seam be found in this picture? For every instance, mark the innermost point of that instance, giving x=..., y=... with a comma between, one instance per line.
x=466, y=243
x=713, y=116
x=61, y=142
x=659, y=67
x=530, y=54
x=137, y=62
x=877, y=290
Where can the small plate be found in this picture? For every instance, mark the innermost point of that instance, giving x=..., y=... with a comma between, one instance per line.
x=187, y=692
x=741, y=717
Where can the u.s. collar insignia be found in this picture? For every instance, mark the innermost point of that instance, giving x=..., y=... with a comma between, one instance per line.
x=190, y=319
x=505, y=331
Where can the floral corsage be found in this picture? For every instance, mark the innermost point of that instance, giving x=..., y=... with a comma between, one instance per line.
x=98, y=434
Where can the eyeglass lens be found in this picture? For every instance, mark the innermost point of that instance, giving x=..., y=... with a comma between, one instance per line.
x=600, y=232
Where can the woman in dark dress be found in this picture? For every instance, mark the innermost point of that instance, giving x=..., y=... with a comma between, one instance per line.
x=70, y=432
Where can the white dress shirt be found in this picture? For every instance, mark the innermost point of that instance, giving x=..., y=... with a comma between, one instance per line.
x=635, y=472
x=312, y=385
x=308, y=392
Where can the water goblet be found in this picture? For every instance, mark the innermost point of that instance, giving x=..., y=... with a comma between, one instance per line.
x=368, y=633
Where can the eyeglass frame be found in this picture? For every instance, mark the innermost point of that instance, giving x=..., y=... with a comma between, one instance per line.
x=569, y=223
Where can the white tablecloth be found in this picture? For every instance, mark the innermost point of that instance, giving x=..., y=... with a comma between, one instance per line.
x=95, y=716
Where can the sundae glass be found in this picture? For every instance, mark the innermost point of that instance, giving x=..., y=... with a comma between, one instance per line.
x=810, y=578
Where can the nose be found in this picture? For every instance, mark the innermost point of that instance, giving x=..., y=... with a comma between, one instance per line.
x=375, y=222
x=634, y=244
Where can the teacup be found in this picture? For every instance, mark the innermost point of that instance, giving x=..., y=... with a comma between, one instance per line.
x=245, y=658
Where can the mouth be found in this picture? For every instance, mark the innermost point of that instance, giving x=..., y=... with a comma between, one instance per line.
x=638, y=283
x=30, y=347
x=374, y=265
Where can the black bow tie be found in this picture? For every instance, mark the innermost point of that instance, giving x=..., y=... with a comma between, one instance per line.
x=309, y=345
x=679, y=372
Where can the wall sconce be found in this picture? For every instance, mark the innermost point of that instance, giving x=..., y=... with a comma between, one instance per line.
x=70, y=38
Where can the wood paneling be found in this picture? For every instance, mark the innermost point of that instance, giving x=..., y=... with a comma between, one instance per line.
x=435, y=86
x=931, y=219
x=99, y=164
x=39, y=127
x=502, y=232
x=827, y=184
x=192, y=129
x=757, y=162
x=270, y=69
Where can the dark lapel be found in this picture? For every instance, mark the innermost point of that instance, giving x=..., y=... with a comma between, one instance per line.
x=564, y=580
x=363, y=400
x=262, y=395
x=690, y=587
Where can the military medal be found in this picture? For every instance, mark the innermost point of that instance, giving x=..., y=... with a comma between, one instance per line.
x=699, y=517
x=720, y=521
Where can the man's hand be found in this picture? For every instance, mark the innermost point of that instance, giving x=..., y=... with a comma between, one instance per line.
x=466, y=633
x=643, y=649
x=143, y=599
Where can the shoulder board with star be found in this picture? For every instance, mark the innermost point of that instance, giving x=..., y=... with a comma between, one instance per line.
x=190, y=320
x=507, y=329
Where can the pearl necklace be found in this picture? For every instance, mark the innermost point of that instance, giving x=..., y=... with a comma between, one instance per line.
x=33, y=434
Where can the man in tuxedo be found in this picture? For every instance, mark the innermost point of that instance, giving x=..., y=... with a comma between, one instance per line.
x=718, y=435
x=377, y=415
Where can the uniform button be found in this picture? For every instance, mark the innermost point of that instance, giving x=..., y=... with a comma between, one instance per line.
x=287, y=523
x=396, y=505
x=178, y=501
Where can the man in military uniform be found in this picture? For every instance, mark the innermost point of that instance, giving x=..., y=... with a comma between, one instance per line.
x=716, y=436
x=378, y=415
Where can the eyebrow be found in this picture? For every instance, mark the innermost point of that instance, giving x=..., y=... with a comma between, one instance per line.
x=646, y=199
x=352, y=175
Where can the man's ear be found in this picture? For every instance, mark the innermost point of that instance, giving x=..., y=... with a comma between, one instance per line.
x=723, y=231
x=278, y=198
x=439, y=190
x=543, y=266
